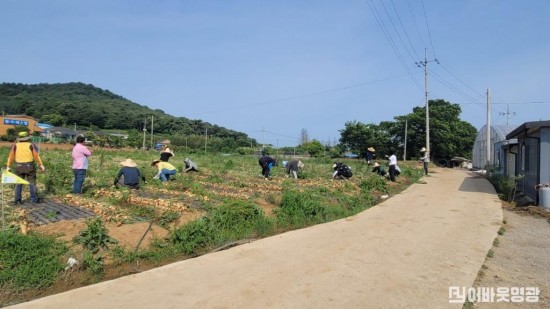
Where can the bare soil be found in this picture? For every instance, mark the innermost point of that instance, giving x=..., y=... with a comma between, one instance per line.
x=520, y=257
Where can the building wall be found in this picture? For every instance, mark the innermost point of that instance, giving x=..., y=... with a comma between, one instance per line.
x=545, y=155
x=11, y=121
x=528, y=163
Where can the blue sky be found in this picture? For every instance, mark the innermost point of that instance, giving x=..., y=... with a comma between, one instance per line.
x=273, y=68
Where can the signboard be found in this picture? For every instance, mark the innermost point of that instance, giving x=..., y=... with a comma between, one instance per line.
x=16, y=122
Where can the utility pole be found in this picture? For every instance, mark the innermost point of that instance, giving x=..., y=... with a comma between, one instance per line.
x=205, y=138
x=405, y=148
x=144, y=131
x=507, y=113
x=488, y=126
x=425, y=64
x=152, y=146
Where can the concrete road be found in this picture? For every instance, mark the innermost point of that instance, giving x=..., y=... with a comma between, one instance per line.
x=403, y=253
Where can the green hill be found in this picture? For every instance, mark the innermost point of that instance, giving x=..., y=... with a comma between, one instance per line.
x=89, y=106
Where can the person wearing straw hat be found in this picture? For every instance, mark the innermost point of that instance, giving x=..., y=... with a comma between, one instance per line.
x=165, y=170
x=425, y=159
x=25, y=155
x=378, y=169
x=371, y=154
x=130, y=173
x=166, y=154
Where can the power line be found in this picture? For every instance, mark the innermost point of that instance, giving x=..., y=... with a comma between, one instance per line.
x=397, y=32
x=301, y=96
x=415, y=24
x=386, y=33
x=428, y=27
x=404, y=30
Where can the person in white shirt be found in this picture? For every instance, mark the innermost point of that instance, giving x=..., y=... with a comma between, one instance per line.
x=425, y=160
x=392, y=163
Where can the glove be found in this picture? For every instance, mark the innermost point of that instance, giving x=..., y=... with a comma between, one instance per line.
x=156, y=177
x=8, y=169
x=42, y=168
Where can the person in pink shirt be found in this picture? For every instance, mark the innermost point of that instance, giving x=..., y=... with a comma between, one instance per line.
x=80, y=164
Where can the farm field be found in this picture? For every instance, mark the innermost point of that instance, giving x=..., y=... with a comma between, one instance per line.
x=227, y=202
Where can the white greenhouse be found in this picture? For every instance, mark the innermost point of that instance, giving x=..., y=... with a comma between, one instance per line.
x=498, y=134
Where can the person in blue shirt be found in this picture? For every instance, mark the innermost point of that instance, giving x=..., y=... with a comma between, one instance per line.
x=130, y=174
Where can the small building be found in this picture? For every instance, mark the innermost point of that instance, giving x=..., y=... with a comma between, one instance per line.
x=12, y=121
x=533, y=156
x=479, y=153
x=504, y=160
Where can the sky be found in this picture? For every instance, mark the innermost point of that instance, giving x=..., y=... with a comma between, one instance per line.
x=273, y=68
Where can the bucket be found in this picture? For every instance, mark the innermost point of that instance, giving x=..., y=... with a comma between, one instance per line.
x=544, y=197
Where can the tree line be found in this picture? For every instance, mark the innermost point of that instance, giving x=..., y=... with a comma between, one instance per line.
x=85, y=105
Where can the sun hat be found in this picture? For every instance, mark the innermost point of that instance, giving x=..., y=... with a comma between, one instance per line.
x=167, y=149
x=128, y=163
x=371, y=149
x=423, y=149
x=23, y=136
x=155, y=162
x=376, y=164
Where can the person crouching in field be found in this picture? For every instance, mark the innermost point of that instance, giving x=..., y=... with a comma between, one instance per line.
x=293, y=167
x=165, y=170
x=166, y=154
x=378, y=169
x=190, y=166
x=341, y=171
x=267, y=162
x=130, y=173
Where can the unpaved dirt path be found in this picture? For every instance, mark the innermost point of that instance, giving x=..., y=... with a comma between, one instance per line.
x=403, y=253
x=521, y=260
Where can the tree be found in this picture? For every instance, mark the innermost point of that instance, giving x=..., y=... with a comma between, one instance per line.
x=449, y=136
x=358, y=136
x=55, y=120
x=314, y=148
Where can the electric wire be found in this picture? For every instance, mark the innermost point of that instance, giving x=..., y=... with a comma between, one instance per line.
x=428, y=27
x=300, y=96
x=397, y=32
x=404, y=30
x=390, y=40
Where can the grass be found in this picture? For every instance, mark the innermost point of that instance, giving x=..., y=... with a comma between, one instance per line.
x=29, y=261
x=224, y=191
x=501, y=230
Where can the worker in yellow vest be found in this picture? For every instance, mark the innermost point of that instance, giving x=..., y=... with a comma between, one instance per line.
x=25, y=154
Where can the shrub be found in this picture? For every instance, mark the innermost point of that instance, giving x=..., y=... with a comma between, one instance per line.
x=95, y=240
x=373, y=183
x=301, y=207
x=193, y=236
x=235, y=214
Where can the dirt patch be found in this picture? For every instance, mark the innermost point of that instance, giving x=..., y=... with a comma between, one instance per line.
x=520, y=257
x=128, y=235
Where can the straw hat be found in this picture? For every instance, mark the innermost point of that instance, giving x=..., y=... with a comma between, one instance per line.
x=167, y=149
x=155, y=162
x=423, y=149
x=371, y=149
x=128, y=163
x=376, y=164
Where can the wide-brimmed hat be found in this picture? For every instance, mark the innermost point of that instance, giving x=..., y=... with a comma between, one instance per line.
x=371, y=149
x=167, y=149
x=376, y=164
x=423, y=149
x=155, y=162
x=128, y=163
